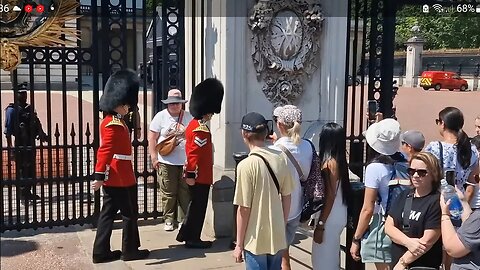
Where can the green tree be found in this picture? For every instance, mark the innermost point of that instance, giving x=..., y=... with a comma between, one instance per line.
x=150, y=4
x=440, y=30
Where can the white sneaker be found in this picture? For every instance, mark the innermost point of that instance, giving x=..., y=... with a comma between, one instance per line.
x=168, y=227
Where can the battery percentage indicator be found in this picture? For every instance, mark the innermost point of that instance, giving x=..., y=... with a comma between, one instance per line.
x=466, y=8
x=478, y=9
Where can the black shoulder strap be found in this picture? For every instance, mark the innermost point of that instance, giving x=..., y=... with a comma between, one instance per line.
x=275, y=180
x=294, y=162
x=314, y=151
x=407, y=208
x=440, y=148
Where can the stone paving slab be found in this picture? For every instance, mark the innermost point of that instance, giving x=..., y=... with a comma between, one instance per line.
x=71, y=248
x=58, y=248
x=167, y=253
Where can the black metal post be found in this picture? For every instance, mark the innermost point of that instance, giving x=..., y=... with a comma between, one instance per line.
x=388, y=50
x=356, y=203
x=237, y=156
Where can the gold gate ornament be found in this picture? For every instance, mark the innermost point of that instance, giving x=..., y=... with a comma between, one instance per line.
x=37, y=29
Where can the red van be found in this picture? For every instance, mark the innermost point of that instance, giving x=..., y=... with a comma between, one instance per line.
x=442, y=80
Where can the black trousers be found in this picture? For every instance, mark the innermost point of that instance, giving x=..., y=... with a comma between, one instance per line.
x=125, y=200
x=25, y=161
x=192, y=225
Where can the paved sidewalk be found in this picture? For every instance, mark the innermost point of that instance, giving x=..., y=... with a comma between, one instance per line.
x=70, y=248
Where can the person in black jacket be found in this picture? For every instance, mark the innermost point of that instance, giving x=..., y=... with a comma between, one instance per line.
x=22, y=123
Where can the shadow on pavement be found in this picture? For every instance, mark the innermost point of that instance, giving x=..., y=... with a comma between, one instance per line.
x=298, y=238
x=174, y=253
x=11, y=248
x=39, y=231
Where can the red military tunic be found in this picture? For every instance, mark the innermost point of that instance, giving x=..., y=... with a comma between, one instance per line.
x=199, y=151
x=114, y=157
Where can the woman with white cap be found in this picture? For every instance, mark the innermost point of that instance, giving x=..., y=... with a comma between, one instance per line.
x=383, y=139
x=171, y=120
x=289, y=119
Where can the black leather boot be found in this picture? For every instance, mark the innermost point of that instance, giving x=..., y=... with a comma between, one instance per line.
x=103, y=258
x=136, y=255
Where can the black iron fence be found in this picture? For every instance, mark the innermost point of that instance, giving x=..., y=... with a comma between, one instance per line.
x=460, y=69
x=60, y=182
x=58, y=172
x=467, y=70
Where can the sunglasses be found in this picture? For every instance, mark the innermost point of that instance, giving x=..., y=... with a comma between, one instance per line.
x=420, y=172
x=438, y=121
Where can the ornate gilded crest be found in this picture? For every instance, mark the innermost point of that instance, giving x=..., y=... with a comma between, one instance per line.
x=285, y=43
x=42, y=26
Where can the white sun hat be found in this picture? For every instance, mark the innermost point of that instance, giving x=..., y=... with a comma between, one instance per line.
x=384, y=136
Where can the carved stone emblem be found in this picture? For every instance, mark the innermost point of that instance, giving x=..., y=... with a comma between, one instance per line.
x=285, y=43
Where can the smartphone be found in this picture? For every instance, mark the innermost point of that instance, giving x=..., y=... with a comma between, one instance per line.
x=372, y=109
x=450, y=177
x=270, y=128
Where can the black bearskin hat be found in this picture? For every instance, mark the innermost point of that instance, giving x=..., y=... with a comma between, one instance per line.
x=121, y=88
x=206, y=98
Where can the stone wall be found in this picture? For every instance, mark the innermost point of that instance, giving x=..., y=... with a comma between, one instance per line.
x=227, y=56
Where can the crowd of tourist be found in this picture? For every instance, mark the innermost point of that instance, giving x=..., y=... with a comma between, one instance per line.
x=405, y=221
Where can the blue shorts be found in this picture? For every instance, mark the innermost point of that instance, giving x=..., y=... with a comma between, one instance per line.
x=263, y=261
x=291, y=229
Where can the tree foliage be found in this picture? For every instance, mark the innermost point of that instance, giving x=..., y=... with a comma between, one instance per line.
x=448, y=30
x=150, y=4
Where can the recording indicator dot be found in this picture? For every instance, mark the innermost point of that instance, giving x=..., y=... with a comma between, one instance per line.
x=40, y=8
x=28, y=8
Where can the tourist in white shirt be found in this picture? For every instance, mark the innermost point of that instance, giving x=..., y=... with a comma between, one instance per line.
x=289, y=119
x=170, y=167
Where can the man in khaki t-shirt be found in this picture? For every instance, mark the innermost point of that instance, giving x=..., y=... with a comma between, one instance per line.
x=263, y=209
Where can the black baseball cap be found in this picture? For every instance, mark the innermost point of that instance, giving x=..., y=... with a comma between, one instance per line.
x=254, y=122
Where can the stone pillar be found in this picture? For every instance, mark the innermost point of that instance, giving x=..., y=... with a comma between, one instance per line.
x=332, y=63
x=225, y=57
x=227, y=54
x=414, y=58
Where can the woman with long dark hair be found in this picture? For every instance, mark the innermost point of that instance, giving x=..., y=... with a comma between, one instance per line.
x=455, y=151
x=333, y=218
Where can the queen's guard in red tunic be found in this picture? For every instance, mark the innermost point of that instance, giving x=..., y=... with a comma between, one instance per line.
x=205, y=101
x=114, y=171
